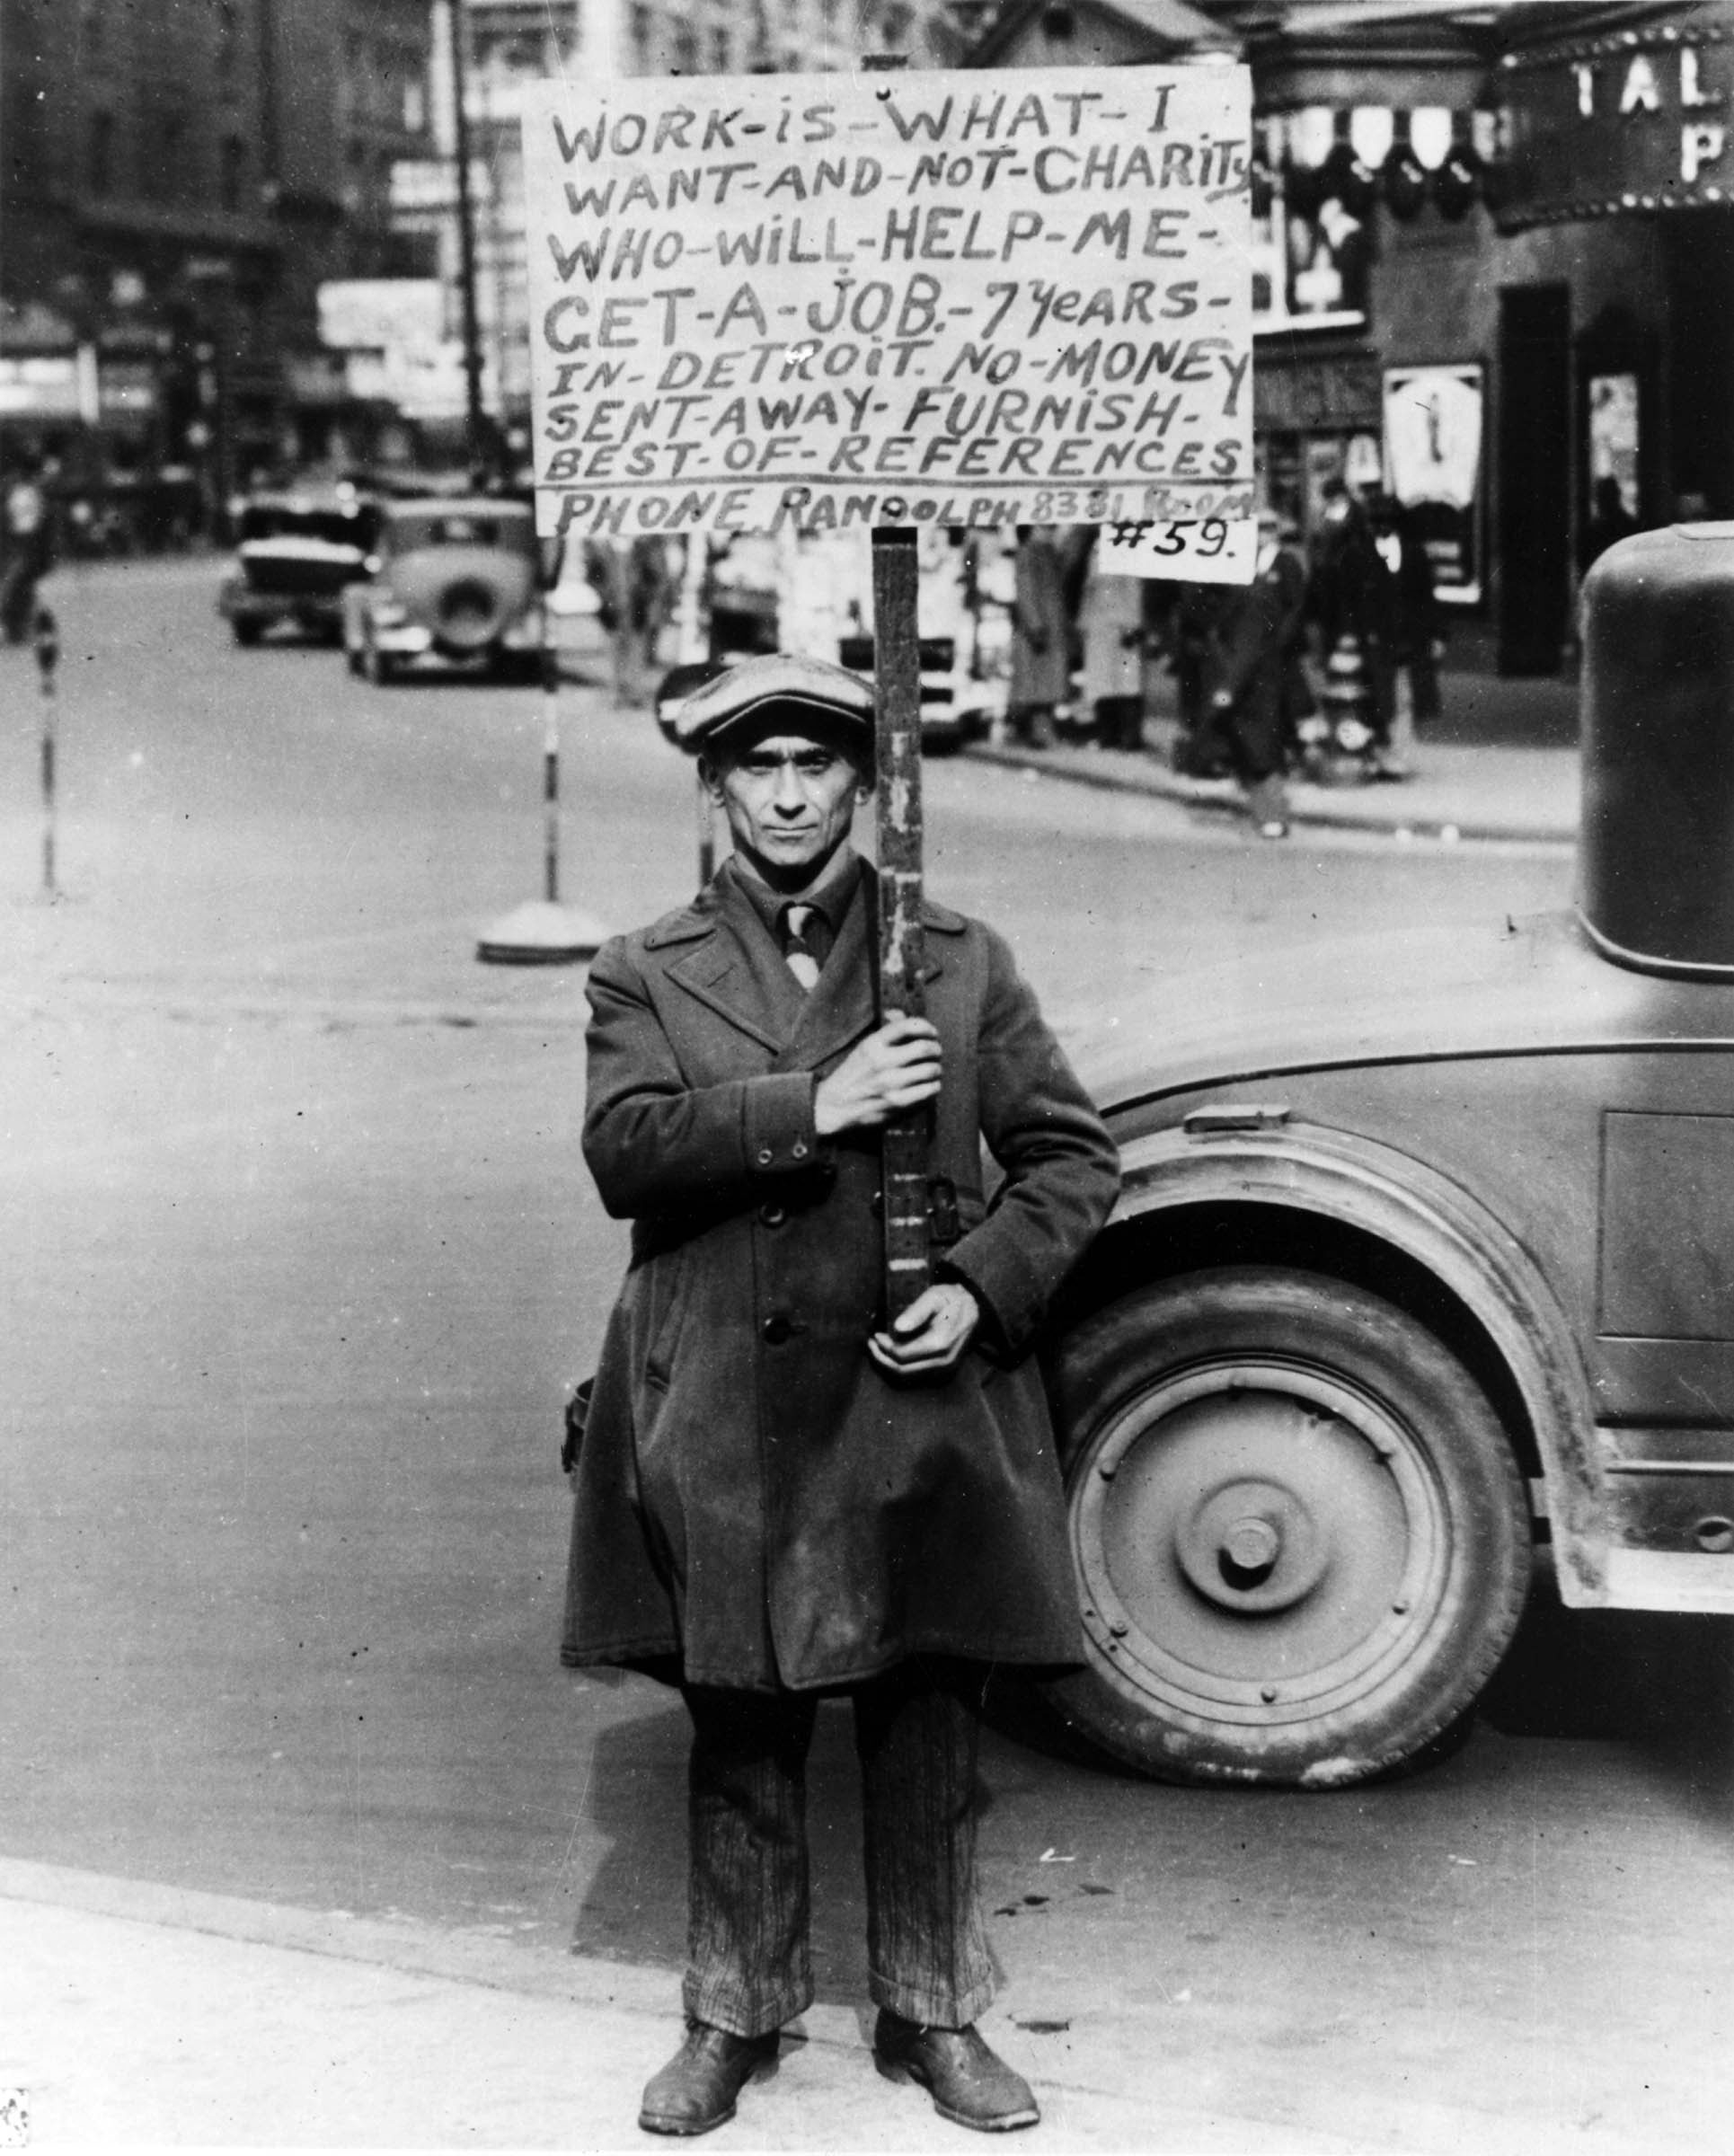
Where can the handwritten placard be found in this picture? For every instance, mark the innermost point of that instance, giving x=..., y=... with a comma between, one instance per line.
x=1187, y=549
x=958, y=298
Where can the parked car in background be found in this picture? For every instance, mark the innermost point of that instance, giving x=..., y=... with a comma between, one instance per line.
x=1424, y=1261
x=298, y=552
x=955, y=708
x=456, y=582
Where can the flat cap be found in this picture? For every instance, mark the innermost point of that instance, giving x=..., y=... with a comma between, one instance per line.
x=754, y=690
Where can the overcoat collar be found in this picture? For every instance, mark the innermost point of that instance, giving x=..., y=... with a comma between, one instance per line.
x=734, y=968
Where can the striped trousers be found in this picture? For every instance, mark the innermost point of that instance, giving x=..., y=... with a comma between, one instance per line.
x=916, y=1732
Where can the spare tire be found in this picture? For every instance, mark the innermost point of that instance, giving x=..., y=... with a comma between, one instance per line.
x=469, y=613
x=467, y=595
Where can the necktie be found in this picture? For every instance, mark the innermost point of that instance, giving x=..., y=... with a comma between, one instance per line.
x=800, y=949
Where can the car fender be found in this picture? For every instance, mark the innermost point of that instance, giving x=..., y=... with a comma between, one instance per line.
x=1440, y=1226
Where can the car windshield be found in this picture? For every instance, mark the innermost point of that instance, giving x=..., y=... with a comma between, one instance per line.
x=461, y=527
x=353, y=527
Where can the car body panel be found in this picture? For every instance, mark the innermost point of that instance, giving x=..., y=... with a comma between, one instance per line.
x=297, y=555
x=1523, y=987
x=1550, y=1134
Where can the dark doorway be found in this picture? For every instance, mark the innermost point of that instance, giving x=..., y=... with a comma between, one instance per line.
x=1698, y=260
x=1534, y=477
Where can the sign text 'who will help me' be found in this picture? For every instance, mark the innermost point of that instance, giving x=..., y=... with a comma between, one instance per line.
x=943, y=297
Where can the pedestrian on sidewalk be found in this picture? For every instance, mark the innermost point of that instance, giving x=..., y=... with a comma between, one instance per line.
x=1407, y=636
x=1041, y=637
x=637, y=585
x=1247, y=653
x=1201, y=752
x=27, y=553
x=779, y=1494
x=1110, y=631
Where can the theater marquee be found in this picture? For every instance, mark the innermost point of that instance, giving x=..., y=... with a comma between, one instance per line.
x=1631, y=121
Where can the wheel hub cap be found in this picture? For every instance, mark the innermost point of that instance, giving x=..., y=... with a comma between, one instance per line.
x=1250, y=1545
x=1258, y=1540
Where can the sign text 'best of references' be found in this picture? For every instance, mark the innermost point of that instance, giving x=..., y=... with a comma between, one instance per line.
x=958, y=298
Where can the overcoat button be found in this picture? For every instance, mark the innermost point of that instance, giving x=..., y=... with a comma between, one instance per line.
x=799, y=1149
x=773, y=1216
x=765, y=1156
x=776, y=1330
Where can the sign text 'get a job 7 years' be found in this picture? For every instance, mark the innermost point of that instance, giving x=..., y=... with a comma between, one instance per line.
x=831, y=300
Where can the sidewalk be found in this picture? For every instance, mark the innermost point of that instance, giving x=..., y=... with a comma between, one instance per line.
x=132, y=2014
x=1502, y=764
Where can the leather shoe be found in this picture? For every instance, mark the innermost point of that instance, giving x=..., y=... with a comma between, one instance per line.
x=968, y=2084
x=697, y=2089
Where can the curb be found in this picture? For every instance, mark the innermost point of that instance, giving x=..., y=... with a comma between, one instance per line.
x=1306, y=804
x=475, y=2009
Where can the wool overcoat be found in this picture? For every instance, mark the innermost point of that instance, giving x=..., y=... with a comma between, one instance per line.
x=757, y=1504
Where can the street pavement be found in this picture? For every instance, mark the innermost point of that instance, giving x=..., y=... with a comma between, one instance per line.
x=269, y=882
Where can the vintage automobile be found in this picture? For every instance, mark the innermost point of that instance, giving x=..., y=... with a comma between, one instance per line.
x=455, y=582
x=955, y=709
x=297, y=552
x=1421, y=1266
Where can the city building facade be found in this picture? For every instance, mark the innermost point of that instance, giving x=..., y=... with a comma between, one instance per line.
x=1493, y=269
x=513, y=43
x=179, y=182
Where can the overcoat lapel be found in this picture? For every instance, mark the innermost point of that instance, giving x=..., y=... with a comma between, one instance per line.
x=738, y=973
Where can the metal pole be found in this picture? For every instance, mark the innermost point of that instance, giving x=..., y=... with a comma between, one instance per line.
x=47, y=636
x=476, y=419
x=897, y=668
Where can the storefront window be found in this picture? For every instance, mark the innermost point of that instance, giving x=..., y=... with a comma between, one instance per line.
x=1613, y=438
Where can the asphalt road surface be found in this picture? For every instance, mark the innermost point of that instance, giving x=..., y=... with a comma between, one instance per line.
x=298, y=1257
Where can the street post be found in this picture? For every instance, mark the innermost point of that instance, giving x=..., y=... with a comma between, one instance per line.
x=545, y=931
x=46, y=637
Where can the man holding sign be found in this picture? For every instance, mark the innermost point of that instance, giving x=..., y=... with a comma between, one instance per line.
x=770, y=304
x=779, y=1492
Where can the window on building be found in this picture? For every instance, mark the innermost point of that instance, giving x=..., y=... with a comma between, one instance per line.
x=101, y=173
x=415, y=104
x=722, y=51
x=228, y=41
x=233, y=172
x=687, y=48
x=163, y=160
x=639, y=33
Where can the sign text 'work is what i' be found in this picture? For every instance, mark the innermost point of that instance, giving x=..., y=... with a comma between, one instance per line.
x=834, y=300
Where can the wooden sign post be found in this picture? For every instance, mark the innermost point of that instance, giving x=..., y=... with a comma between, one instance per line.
x=896, y=672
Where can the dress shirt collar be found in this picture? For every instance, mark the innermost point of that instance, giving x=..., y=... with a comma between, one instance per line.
x=830, y=894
